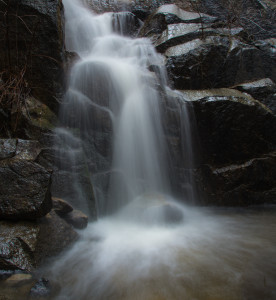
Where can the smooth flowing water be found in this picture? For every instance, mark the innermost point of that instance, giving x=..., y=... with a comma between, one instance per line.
x=146, y=245
x=112, y=75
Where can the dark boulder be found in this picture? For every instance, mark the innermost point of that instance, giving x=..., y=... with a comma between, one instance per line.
x=77, y=219
x=55, y=235
x=217, y=61
x=236, y=135
x=31, y=37
x=24, y=184
x=252, y=182
x=61, y=207
x=24, y=245
x=233, y=128
x=17, y=245
x=25, y=190
x=75, y=188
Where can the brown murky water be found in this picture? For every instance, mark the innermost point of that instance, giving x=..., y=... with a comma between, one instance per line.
x=211, y=256
x=214, y=255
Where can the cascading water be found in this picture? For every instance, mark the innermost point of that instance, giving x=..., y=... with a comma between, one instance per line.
x=150, y=247
x=112, y=75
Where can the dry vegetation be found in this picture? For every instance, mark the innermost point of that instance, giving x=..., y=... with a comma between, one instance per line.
x=259, y=21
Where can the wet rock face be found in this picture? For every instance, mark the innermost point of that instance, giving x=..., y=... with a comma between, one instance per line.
x=236, y=133
x=204, y=53
x=233, y=129
x=17, y=244
x=32, y=37
x=77, y=219
x=217, y=61
x=263, y=90
x=54, y=236
x=126, y=23
x=252, y=182
x=24, y=245
x=24, y=184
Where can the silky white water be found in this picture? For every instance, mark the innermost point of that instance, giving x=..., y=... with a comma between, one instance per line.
x=112, y=74
x=145, y=245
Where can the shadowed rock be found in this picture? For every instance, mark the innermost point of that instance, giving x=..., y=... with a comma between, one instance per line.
x=77, y=219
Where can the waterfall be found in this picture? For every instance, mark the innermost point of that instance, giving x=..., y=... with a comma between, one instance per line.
x=112, y=77
x=145, y=245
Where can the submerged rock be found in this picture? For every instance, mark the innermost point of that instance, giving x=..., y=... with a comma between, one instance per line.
x=42, y=288
x=154, y=209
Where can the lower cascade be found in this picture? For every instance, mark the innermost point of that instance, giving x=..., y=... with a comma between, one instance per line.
x=145, y=244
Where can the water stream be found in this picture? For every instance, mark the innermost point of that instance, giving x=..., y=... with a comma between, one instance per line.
x=145, y=245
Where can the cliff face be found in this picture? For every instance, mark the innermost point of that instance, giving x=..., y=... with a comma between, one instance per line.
x=228, y=77
x=31, y=85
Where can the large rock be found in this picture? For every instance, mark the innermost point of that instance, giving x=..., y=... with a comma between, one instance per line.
x=77, y=219
x=17, y=245
x=252, y=182
x=55, y=235
x=32, y=44
x=233, y=128
x=236, y=135
x=24, y=184
x=33, y=119
x=25, y=245
x=217, y=61
x=61, y=207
